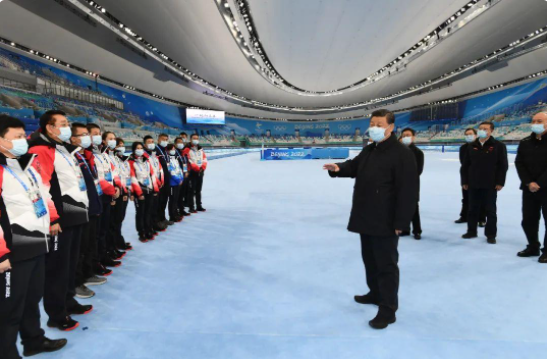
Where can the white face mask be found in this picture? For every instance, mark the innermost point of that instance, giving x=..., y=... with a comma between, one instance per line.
x=85, y=141
x=111, y=144
x=180, y=146
x=120, y=150
x=151, y=146
x=469, y=138
x=19, y=147
x=185, y=140
x=139, y=152
x=66, y=133
x=172, y=152
x=97, y=140
x=538, y=128
x=377, y=134
x=164, y=143
x=407, y=140
x=482, y=134
x=195, y=142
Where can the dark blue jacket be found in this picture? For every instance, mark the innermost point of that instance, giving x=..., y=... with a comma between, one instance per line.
x=87, y=165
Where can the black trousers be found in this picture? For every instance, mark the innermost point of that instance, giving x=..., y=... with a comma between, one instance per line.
x=183, y=194
x=173, y=202
x=465, y=208
x=20, y=311
x=533, y=205
x=155, y=213
x=416, y=221
x=117, y=217
x=483, y=197
x=143, y=220
x=103, y=237
x=381, y=257
x=61, y=263
x=196, y=184
x=163, y=198
x=88, y=250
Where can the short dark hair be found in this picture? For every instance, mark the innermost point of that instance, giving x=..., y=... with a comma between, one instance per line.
x=470, y=129
x=491, y=124
x=135, y=144
x=183, y=134
x=105, y=134
x=170, y=147
x=163, y=135
x=91, y=126
x=147, y=137
x=119, y=140
x=390, y=116
x=177, y=139
x=47, y=118
x=409, y=129
x=7, y=122
x=76, y=125
x=194, y=134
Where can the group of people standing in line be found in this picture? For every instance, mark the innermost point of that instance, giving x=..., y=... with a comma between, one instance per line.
x=63, y=199
x=386, y=196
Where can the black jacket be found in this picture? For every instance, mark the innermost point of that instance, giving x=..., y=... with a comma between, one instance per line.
x=484, y=166
x=386, y=188
x=163, y=157
x=89, y=172
x=463, y=150
x=419, y=155
x=531, y=162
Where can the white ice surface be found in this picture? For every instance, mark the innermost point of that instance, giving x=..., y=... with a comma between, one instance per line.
x=270, y=272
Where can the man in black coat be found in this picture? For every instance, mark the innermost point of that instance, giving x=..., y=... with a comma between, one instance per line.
x=470, y=137
x=408, y=138
x=531, y=164
x=384, y=201
x=483, y=174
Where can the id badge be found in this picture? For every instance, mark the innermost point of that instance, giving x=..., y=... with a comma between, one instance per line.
x=82, y=185
x=147, y=182
x=99, y=188
x=39, y=206
x=108, y=176
x=185, y=167
x=199, y=162
x=128, y=182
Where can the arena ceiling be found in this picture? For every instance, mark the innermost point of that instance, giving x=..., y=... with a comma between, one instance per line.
x=286, y=58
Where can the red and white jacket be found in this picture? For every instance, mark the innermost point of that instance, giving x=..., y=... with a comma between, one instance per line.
x=142, y=176
x=159, y=178
x=23, y=235
x=63, y=178
x=106, y=171
x=197, y=160
x=124, y=171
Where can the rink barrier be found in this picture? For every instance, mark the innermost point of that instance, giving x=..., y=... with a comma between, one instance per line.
x=305, y=153
x=456, y=148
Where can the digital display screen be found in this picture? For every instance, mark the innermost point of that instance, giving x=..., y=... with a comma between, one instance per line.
x=205, y=117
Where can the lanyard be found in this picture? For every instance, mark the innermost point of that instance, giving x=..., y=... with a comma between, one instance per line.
x=167, y=159
x=34, y=181
x=86, y=164
x=139, y=164
x=72, y=164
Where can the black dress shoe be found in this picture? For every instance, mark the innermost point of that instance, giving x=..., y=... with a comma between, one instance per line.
x=404, y=234
x=66, y=325
x=193, y=211
x=417, y=236
x=491, y=240
x=529, y=252
x=366, y=299
x=381, y=321
x=201, y=209
x=543, y=258
x=482, y=224
x=80, y=309
x=48, y=346
x=461, y=220
x=469, y=235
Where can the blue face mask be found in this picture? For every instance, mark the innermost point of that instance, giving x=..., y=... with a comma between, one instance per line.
x=97, y=140
x=407, y=140
x=66, y=133
x=112, y=144
x=538, y=128
x=377, y=134
x=20, y=147
x=469, y=138
x=85, y=141
x=139, y=153
x=482, y=134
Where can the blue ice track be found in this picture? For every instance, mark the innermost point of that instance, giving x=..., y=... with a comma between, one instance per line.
x=270, y=272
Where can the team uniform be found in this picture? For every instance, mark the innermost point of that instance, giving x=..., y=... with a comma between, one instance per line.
x=176, y=176
x=143, y=184
x=158, y=182
x=120, y=209
x=197, y=161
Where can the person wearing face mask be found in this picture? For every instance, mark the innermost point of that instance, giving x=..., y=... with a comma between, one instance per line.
x=183, y=163
x=120, y=209
x=144, y=186
x=483, y=174
x=63, y=178
x=159, y=181
x=165, y=191
x=176, y=179
x=197, y=160
x=26, y=212
x=184, y=138
x=110, y=192
x=408, y=138
x=531, y=164
x=470, y=137
x=384, y=201
x=88, y=245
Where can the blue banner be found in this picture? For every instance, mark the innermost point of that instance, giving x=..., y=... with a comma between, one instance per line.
x=304, y=153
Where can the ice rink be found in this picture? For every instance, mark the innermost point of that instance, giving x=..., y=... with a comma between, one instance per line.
x=270, y=272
